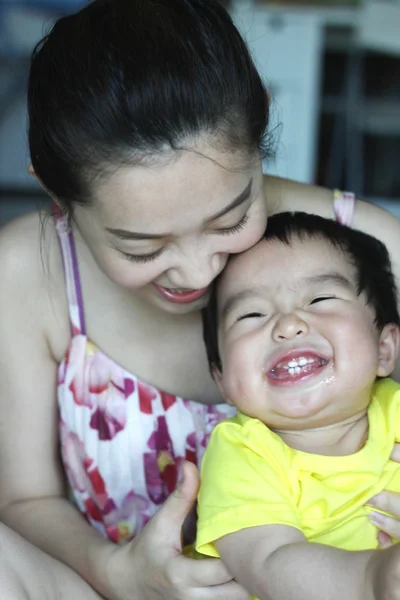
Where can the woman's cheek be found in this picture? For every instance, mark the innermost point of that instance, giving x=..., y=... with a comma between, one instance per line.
x=252, y=233
x=131, y=275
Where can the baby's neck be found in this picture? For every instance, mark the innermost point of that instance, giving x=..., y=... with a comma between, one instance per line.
x=339, y=439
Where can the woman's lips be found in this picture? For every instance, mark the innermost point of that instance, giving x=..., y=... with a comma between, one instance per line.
x=180, y=296
x=296, y=366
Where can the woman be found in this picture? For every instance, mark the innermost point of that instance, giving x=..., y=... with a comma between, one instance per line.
x=147, y=126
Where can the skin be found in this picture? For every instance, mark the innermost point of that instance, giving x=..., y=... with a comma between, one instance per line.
x=133, y=326
x=27, y=573
x=272, y=299
x=277, y=298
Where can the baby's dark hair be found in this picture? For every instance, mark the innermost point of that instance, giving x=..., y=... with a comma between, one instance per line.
x=122, y=80
x=369, y=257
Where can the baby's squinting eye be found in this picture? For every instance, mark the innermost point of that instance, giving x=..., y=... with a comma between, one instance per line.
x=252, y=315
x=322, y=298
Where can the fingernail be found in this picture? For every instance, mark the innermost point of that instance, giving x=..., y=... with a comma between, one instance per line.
x=385, y=541
x=376, y=517
x=181, y=476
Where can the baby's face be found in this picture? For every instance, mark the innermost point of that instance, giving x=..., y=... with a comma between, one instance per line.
x=298, y=347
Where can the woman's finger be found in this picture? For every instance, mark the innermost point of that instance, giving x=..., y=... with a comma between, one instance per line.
x=386, y=524
x=389, y=502
x=167, y=523
x=198, y=573
x=231, y=590
x=384, y=540
x=395, y=453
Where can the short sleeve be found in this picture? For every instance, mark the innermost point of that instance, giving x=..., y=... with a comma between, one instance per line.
x=244, y=483
x=388, y=392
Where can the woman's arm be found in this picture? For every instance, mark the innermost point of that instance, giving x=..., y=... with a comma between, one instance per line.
x=285, y=195
x=32, y=491
x=27, y=573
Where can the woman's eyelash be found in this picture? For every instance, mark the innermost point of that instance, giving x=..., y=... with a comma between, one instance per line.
x=235, y=228
x=143, y=258
x=251, y=315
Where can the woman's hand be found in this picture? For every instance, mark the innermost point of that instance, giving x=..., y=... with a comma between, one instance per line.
x=389, y=527
x=152, y=567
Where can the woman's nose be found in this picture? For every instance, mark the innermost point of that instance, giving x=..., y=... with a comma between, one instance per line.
x=197, y=272
x=288, y=327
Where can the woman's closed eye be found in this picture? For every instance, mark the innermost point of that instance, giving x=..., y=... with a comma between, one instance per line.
x=142, y=258
x=234, y=228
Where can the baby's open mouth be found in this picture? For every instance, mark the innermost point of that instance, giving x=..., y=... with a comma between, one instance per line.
x=294, y=368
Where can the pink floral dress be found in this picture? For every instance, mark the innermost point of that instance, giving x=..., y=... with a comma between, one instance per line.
x=122, y=440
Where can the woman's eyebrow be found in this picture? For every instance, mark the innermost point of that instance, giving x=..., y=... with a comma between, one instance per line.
x=242, y=197
x=124, y=234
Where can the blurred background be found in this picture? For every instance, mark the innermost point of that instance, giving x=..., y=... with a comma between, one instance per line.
x=332, y=68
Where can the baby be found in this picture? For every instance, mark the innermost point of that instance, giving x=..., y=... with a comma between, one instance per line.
x=302, y=332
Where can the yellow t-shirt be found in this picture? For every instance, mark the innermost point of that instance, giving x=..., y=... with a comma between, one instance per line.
x=250, y=477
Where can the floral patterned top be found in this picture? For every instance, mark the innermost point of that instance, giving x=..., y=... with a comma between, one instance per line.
x=122, y=440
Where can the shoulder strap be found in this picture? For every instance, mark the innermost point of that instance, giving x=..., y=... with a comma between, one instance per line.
x=71, y=272
x=343, y=206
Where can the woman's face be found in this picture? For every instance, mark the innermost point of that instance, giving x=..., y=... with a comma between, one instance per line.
x=165, y=230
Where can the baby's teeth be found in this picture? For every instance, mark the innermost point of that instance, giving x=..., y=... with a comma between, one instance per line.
x=296, y=365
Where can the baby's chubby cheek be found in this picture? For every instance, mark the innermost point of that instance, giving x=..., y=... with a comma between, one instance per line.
x=236, y=385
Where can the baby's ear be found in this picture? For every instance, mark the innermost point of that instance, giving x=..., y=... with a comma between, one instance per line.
x=217, y=374
x=389, y=341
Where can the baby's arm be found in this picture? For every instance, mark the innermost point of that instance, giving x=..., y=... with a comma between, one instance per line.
x=276, y=562
x=246, y=490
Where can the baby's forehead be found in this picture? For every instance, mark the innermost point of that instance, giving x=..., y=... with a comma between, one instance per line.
x=275, y=248
x=272, y=262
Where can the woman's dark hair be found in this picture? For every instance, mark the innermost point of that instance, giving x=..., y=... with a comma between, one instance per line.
x=121, y=80
x=369, y=257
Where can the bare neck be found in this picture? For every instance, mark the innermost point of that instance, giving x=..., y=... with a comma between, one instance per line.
x=339, y=439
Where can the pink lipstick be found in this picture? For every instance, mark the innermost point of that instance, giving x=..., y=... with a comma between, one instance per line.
x=179, y=296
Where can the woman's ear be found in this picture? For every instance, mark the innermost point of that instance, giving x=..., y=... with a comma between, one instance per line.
x=389, y=342
x=218, y=378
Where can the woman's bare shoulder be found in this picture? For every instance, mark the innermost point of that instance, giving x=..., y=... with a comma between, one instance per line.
x=31, y=275
x=23, y=246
